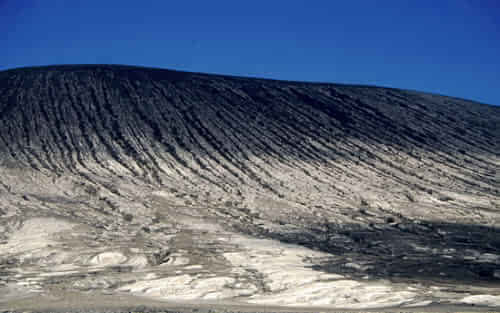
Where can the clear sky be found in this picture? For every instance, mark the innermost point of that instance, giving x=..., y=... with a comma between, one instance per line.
x=448, y=47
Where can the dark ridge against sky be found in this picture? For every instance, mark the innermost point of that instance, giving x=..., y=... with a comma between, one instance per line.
x=447, y=47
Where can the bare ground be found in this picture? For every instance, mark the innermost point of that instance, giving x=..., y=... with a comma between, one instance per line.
x=122, y=183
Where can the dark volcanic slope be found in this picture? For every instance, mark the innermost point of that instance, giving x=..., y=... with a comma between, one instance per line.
x=155, y=122
x=407, y=184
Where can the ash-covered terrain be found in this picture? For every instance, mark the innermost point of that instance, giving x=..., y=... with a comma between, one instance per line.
x=149, y=185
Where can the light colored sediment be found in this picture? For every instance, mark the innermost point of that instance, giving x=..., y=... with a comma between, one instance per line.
x=34, y=237
x=486, y=300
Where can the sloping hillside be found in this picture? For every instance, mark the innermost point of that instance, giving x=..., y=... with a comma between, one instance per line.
x=133, y=180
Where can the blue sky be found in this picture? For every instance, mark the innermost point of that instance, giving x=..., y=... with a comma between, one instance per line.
x=447, y=47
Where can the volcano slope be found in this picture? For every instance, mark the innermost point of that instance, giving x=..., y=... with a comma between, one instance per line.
x=120, y=181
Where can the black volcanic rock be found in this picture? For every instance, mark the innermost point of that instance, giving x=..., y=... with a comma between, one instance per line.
x=55, y=117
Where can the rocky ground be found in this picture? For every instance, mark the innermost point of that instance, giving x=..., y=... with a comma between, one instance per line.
x=121, y=183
